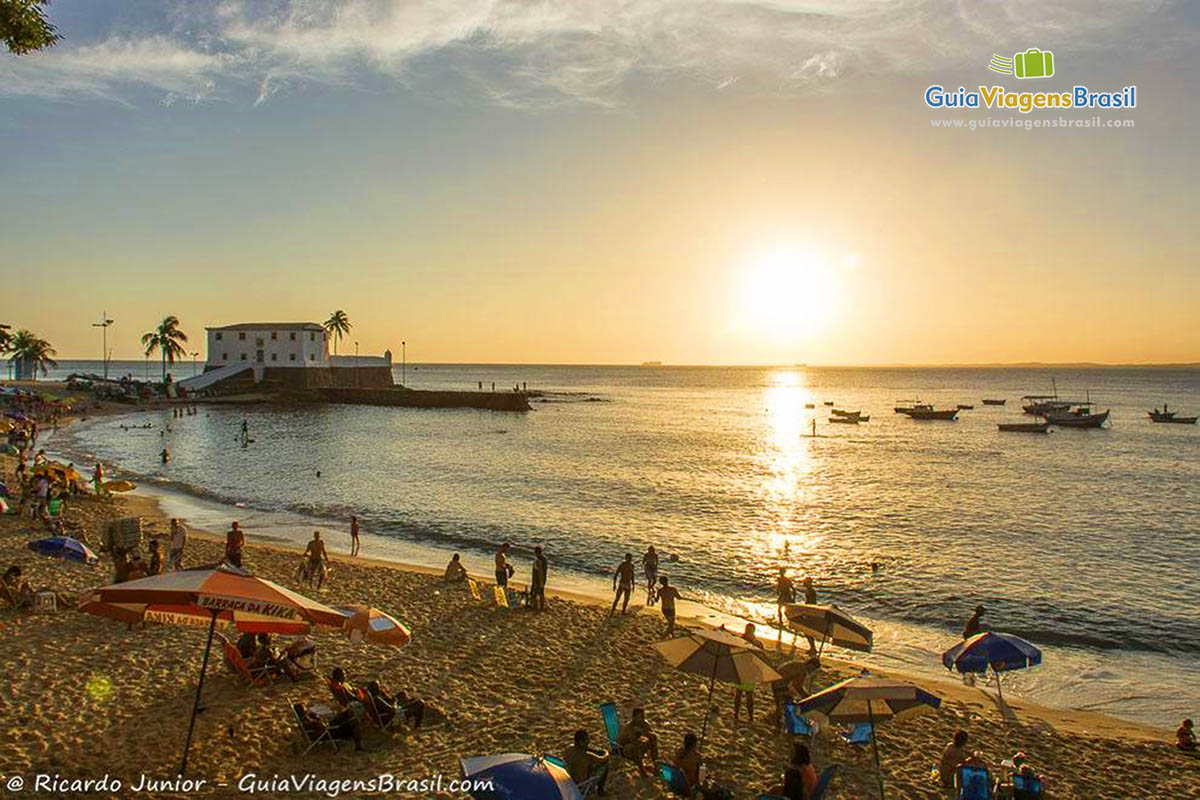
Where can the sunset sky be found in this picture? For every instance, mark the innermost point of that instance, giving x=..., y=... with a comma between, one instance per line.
x=605, y=182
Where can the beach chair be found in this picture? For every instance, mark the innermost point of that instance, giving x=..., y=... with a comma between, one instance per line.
x=1027, y=787
x=376, y=714
x=674, y=779
x=612, y=726
x=309, y=738
x=500, y=596
x=235, y=661
x=795, y=723
x=974, y=782
x=474, y=589
x=859, y=735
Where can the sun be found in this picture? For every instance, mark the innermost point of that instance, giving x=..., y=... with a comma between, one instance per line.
x=788, y=291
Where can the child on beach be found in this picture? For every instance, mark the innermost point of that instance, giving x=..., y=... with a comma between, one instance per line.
x=1185, y=737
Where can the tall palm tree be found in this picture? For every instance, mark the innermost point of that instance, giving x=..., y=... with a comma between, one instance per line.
x=167, y=339
x=338, y=325
x=32, y=351
x=5, y=338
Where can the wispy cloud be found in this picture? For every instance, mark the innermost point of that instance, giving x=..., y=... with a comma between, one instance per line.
x=533, y=53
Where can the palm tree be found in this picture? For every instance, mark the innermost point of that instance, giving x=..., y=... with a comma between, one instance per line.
x=32, y=352
x=338, y=325
x=5, y=338
x=166, y=338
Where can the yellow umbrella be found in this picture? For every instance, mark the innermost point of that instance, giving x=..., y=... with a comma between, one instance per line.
x=119, y=486
x=367, y=624
x=58, y=471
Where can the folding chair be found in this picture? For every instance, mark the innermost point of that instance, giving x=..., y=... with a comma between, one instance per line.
x=233, y=657
x=859, y=735
x=612, y=726
x=823, y=782
x=974, y=782
x=474, y=587
x=500, y=596
x=376, y=714
x=674, y=779
x=795, y=723
x=325, y=736
x=589, y=787
x=1027, y=787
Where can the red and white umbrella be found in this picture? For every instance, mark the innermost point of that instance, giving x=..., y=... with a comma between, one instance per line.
x=367, y=624
x=211, y=595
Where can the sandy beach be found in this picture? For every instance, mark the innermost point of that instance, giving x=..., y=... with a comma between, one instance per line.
x=86, y=697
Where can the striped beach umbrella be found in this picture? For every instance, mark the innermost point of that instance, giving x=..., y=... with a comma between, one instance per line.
x=64, y=548
x=367, y=624
x=719, y=656
x=223, y=594
x=871, y=699
x=829, y=624
x=517, y=776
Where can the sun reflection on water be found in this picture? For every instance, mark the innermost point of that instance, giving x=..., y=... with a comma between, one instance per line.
x=787, y=455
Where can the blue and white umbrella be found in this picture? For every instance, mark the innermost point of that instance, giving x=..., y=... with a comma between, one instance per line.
x=518, y=776
x=65, y=548
x=999, y=652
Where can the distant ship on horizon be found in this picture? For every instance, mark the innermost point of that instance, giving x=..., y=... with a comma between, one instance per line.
x=652, y=363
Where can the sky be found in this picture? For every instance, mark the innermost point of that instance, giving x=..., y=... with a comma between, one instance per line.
x=617, y=181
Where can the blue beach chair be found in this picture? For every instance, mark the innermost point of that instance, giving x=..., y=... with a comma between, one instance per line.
x=818, y=791
x=974, y=783
x=674, y=779
x=859, y=735
x=795, y=723
x=612, y=725
x=1027, y=787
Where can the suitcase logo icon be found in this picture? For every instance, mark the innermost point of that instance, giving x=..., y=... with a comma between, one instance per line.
x=1033, y=63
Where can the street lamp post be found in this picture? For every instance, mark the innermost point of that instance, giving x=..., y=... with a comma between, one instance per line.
x=194, y=362
x=356, y=365
x=404, y=364
x=103, y=325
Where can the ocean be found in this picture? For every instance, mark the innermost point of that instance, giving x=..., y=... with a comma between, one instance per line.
x=1082, y=541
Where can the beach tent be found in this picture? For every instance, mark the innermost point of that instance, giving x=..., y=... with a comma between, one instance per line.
x=517, y=776
x=212, y=594
x=719, y=656
x=367, y=624
x=999, y=652
x=871, y=699
x=829, y=624
x=64, y=548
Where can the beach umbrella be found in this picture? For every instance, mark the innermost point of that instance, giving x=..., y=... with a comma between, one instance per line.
x=367, y=624
x=64, y=548
x=868, y=698
x=1000, y=652
x=119, y=486
x=719, y=656
x=222, y=593
x=58, y=472
x=829, y=624
x=517, y=776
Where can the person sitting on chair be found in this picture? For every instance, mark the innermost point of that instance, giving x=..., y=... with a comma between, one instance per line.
x=344, y=725
x=265, y=657
x=954, y=754
x=637, y=740
x=298, y=658
x=384, y=704
x=799, y=779
x=687, y=759
x=585, y=763
x=342, y=690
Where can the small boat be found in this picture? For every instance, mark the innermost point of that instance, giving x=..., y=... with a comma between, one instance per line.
x=993, y=402
x=809, y=405
x=1039, y=405
x=930, y=413
x=1079, y=417
x=962, y=407
x=1168, y=416
x=1025, y=427
x=914, y=405
x=837, y=412
x=828, y=402
x=848, y=420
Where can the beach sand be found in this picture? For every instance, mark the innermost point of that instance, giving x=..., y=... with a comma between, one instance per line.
x=85, y=697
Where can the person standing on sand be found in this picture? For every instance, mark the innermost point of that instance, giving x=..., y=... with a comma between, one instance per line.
x=503, y=569
x=624, y=576
x=974, y=624
x=537, y=583
x=98, y=479
x=353, y=535
x=316, y=555
x=746, y=689
x=785, y=594
x=650, y=569
x=668, y=594
x=178, y=542
x=810, y=598
x=235, y=543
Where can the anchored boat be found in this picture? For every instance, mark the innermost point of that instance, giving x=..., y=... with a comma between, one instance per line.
x=931, y=413
x=1025, y=427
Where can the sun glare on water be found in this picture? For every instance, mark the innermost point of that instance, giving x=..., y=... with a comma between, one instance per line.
x=789, y=291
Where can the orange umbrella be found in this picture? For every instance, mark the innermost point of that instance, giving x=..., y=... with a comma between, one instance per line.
x=366, y=624
x=220, y=594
